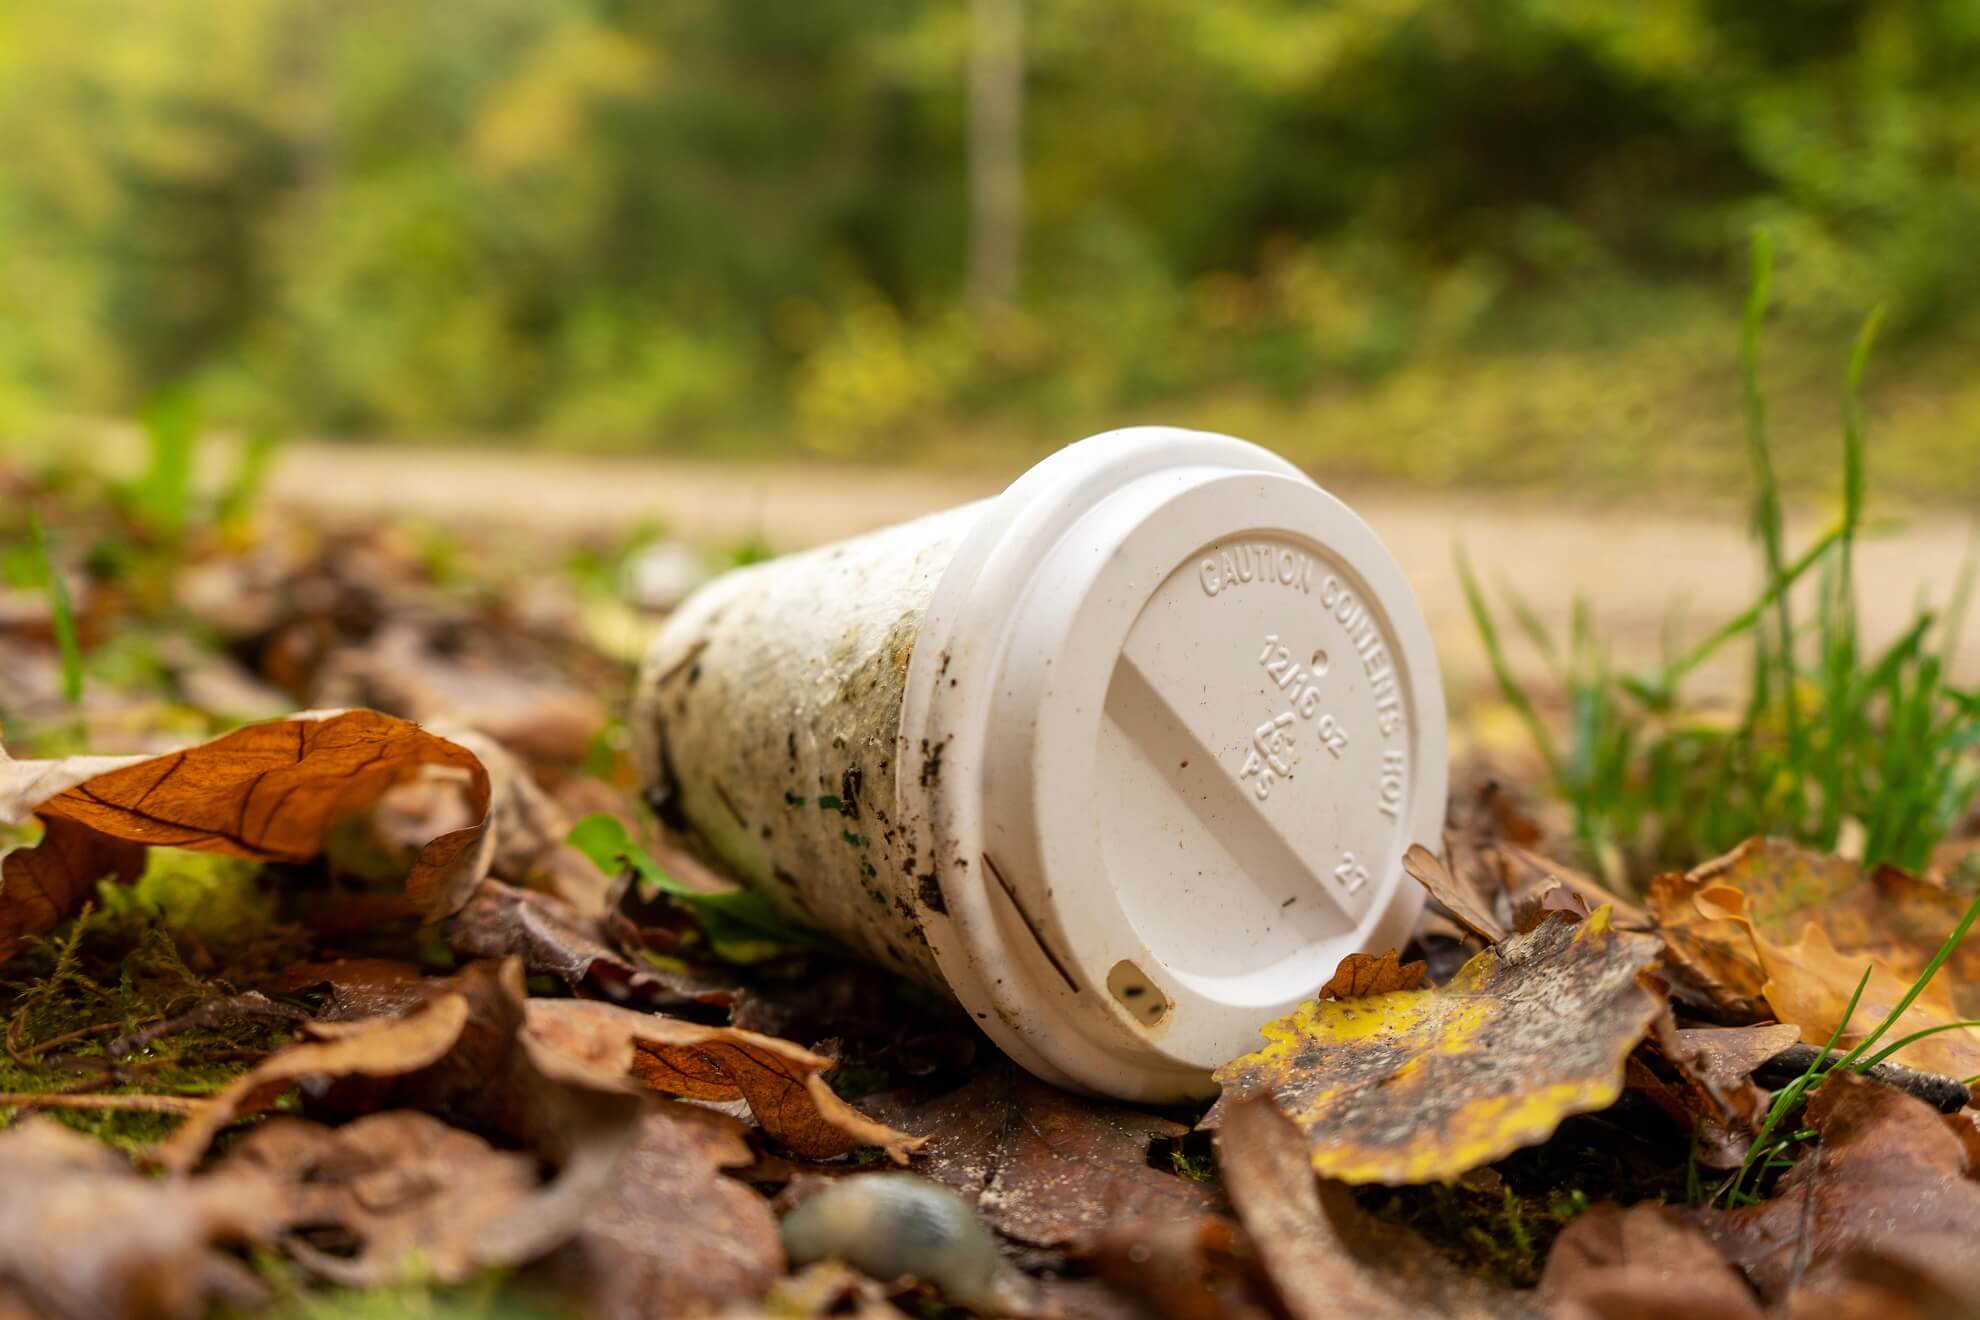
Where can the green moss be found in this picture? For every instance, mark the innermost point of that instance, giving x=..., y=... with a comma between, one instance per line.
x=194, y=929
x=1504, y=1236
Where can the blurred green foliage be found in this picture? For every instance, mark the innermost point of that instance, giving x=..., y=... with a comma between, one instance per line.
x=744, y=225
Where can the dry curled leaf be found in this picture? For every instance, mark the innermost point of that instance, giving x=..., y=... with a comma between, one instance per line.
x=377, y=1047
x=358, y=987
x=1530, y=911
x=1810, y=984
x=265, y=792
x=464, y=1055
x=83, y=1236
x=1362, y=974
x=1724, y=1058
x=1786, y=889
x=674, y=1235
x=1886, y=1177
x=1645, y=1261
x=1043, y=1166
x=782, y=1083
x=1324, y=1256
x=392, y=1196
x=1424, y=1085
x=1459, y=897
x=553, y=938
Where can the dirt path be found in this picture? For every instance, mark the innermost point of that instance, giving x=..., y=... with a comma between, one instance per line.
x=1636, y=565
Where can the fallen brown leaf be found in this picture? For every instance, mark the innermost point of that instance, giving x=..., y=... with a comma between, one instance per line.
x=1524, y=873
x=83, y=1236
x=390, y=1197
x=782, y=1083
x=1887, y=1177
x=1714, y=957
x=358, y=987
x=674, y=1235
x=1786, y=888
x=1721, y=1101
x=42, y=884
x=1810, y=985
x=552, y=938
x=1424, y=1085
x=1867, y=1285
x=1043, y=1166
x=1325, y=1257
x=1723, y=1058
x=1182, y=1269
x=266, y=792
x=1646, y=1261
x=1362, y=974
x=1462, y=900
x=1529, y=912
x=465, y=1055
x=373, y=1047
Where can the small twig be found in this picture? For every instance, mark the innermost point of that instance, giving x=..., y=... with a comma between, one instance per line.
x=213, y=1013
x=124, y=1073
x=42, y=1047
x=1946, y=1094
x=159, y=1104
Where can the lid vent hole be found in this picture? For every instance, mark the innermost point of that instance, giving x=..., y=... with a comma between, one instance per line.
x=1137, y=993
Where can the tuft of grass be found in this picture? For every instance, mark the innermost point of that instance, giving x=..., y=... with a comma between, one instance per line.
x=1829, y=738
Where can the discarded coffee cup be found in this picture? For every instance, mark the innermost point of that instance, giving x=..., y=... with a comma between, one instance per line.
x=1125, y=758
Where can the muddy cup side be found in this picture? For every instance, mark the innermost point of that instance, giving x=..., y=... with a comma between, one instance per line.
x=765, y=722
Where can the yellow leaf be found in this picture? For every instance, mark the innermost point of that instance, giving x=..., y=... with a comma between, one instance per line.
x=1424, y=1085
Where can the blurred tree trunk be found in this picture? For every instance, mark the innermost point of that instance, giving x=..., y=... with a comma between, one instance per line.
x=996, y=151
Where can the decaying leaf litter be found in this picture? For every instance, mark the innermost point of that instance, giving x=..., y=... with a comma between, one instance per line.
x=340, y=960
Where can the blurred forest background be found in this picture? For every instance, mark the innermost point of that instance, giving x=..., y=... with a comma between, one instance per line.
x=1438, y=241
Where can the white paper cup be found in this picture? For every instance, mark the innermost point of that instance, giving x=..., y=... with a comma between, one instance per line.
x=1125, y=758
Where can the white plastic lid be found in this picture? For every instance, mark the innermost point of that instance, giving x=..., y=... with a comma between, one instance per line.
x=1171, y=722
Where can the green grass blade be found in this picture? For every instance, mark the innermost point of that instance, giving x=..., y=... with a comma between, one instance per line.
x=1495, y=655
x=1917, y=987
x=1961, y=599
x=1788, y=1099
x=61, y=613
x=164, y=495
x=1768, y=520
x=1855, y=428
x=1913, y=1038
x=250, y=475
x=1751, y=615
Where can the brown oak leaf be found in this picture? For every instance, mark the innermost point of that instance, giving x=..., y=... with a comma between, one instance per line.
x=1373, y=974
x=1887, y=1177
x=266, y=792
x=83, y=1235
x=1324, y=1256
x=1041, y=1165
x=674, y=1235
x=783, y=1083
